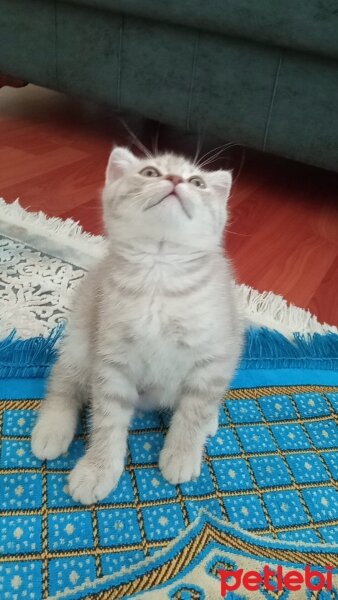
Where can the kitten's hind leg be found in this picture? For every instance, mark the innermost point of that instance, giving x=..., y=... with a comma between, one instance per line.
x=58, y=415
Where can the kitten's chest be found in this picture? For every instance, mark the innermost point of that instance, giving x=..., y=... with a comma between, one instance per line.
x=172, y=312
x=163, y=322
x=163, y=339
x=160, y=362
x=167, y=315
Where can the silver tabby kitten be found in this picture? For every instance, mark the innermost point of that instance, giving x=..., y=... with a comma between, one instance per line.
x=154, y=325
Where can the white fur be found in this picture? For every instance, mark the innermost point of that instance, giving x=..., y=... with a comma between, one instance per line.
x=67, y=240
x=154, y=325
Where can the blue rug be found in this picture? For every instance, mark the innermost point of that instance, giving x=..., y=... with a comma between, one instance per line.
x=271, y=469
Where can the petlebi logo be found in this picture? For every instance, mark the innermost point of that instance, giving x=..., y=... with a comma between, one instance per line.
x=277, y=579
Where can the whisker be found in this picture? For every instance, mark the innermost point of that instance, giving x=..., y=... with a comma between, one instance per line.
x=136, y=200
x=223, y=146
x=213, y=154
x=138, y=197
x=243, y=156
x=154, y=204
x=236, y=233
x=136, y=140
x=211, y=158
x=198, y=150
x=201, y=135
x=155, y=142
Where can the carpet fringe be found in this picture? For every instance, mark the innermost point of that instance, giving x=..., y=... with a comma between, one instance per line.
x=266, y=309
x=263, y=349
x=262, y=309
x=52, y=234
x=66, y=228
x=29, y=358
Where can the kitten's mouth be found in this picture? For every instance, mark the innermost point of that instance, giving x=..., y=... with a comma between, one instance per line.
x=175, y=195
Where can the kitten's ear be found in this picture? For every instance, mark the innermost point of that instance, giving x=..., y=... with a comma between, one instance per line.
x=120, y=160
x=221, y=182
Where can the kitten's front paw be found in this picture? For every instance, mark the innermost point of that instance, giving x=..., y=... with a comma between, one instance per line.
x=89, y=483
x=180, y=467
x=51, y=438
x=211, y=427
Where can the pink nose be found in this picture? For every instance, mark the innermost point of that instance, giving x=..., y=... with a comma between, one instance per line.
x=176, y=179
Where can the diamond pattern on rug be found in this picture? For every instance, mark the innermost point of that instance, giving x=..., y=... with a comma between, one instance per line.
x=271, y=468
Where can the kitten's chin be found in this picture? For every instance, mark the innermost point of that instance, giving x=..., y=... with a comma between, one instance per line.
x=161, y=229
x=172, y=206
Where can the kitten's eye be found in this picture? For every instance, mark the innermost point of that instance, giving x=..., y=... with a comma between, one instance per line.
x=150, y=172
x=197, y=181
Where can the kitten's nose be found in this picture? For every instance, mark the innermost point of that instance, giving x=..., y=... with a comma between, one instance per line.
x=176, y=179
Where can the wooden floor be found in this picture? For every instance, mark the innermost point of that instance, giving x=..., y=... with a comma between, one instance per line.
x=283, y=234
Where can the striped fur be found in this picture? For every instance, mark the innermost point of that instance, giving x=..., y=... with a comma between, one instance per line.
x=154, y=325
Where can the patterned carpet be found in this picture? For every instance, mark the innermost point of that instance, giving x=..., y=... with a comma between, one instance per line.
x=271, y=469
x=190, y=567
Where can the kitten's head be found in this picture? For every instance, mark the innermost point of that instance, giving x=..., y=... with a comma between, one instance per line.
x=164, y=198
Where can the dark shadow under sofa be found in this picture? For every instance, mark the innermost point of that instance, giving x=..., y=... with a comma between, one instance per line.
x=261, y=73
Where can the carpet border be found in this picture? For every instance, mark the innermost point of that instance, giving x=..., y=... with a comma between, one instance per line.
x=194, y=541
x=264, y=350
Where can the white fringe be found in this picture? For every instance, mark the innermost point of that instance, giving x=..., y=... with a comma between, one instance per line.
x=266, y=309
x=67, y=240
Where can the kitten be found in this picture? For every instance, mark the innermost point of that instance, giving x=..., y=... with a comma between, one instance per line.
x=155, y=325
